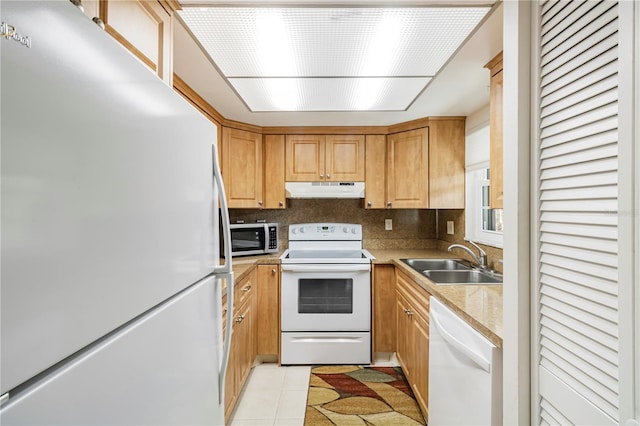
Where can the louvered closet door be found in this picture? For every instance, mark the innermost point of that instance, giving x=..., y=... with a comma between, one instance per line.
x=577, y=304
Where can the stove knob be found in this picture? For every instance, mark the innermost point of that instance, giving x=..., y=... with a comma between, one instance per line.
x=354, y=230
x=294, y=230
x=345, y=229
x=302, y=230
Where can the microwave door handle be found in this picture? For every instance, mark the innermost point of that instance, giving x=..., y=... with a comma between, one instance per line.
x=224, y=272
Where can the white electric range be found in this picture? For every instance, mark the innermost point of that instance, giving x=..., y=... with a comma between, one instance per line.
x=326, y=295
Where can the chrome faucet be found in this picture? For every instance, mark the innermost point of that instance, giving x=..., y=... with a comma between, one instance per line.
x=481, y=259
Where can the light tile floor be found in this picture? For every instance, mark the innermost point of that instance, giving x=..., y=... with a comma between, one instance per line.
x=273, y=396
x=277, y=396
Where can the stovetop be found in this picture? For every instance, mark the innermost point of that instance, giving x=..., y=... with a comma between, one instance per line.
x=325, y=243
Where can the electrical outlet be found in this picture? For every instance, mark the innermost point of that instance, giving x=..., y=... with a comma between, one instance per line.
x=388, y=225
x=450, y=230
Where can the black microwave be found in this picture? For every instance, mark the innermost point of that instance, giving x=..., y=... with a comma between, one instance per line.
x=253, y=238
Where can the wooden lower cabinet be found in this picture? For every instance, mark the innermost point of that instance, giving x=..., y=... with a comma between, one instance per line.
x=384, y=308
x=243, y=341
x=268, y=327
x=256, y=327
x=412, y=328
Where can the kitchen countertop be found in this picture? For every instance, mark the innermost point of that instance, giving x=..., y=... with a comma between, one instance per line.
x=478, y=305
x=242, y=265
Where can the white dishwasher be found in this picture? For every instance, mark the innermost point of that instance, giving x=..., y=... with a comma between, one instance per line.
x=465, y=372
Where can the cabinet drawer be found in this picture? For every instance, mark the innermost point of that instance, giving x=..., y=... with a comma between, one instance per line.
x=416, y=297
x=245, y=288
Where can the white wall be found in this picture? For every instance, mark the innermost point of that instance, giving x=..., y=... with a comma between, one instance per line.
x=477, y=138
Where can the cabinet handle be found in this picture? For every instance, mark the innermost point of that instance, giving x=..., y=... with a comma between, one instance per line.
x=368, y=204
x=273, y=271
x=408, y=312
x=239, y=319
x=281, y=204
x=321, y=176
x=247, y=288
x=99, y=22
x=388, y=204
x=260, y=203
x=328, y=176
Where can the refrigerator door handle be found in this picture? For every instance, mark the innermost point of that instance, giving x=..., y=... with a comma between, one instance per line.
x=227, y=335
x=224, y=272
x=224, y=211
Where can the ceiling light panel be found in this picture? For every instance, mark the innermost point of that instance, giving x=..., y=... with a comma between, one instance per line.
x=328, y=94
x=331, y=42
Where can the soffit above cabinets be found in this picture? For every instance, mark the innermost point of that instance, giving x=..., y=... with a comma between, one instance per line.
x=324, y=58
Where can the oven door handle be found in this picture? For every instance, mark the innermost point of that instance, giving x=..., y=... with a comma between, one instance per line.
x=327, y=268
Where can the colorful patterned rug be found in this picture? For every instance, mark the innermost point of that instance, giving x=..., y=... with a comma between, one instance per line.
x=367, y=396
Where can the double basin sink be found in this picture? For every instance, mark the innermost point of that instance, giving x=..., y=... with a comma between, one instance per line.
x=452, y=271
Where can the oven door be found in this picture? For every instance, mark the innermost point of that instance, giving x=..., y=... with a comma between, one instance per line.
x=326, y=297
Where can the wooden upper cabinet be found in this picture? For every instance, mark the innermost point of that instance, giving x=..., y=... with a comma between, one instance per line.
x=495, y=132
x=144, y=28
x=242, y=168
x=319, y=158
x=344, y=158
x=274, y=172
x=446, y=163
x=304, y=158
x=375, y=166
x=408, y=169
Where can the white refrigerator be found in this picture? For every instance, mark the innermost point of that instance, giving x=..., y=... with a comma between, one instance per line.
x=110, y=276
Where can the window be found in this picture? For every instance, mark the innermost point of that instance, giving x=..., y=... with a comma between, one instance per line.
x=483, y=224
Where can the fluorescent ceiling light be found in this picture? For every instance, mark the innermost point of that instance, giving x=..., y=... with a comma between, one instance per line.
x=328, y=94
x=330, y=58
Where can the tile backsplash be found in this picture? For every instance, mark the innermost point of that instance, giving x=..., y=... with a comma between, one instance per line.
x=412, y=228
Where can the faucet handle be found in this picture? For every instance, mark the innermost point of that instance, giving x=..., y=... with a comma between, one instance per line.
x=482, y=252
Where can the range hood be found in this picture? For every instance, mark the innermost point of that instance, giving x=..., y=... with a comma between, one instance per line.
x=325, y=189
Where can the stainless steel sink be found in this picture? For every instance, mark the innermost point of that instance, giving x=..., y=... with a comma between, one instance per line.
x=422, y=265
x=463, y=277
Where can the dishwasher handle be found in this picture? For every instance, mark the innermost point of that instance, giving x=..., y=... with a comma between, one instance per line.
x=461, y=347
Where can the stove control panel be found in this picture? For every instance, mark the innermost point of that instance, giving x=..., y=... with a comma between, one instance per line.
x=325, y=231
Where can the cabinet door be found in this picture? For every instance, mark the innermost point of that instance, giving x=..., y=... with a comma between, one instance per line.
x=496, y=151
x=375, y=157
x=230, y=380
x=446, y=163
x=420, y=376
x=144, y=28
x=274, y=172
x=268, y=327
x=413, y=317
x=384, y=308
x=305, y=158
x=246, y=340
x=344, y=158
x=242, y=168
x=403, y=337
x=407, y=169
